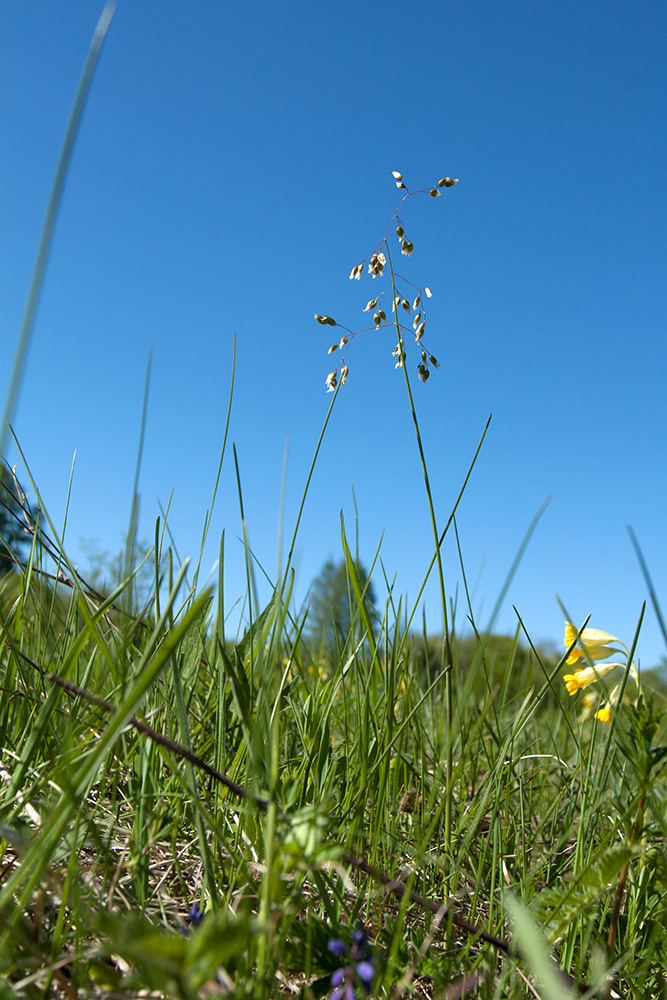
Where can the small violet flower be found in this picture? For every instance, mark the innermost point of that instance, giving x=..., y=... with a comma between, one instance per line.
x=359, y=971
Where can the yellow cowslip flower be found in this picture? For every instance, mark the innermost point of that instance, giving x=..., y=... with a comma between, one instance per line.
x=589, y=675
x=604, y=715
x=592, y=643
x=589, y=703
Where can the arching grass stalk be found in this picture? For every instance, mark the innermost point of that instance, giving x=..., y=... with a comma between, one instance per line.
x=420, y=446
x=446, y=654
x=48, y=228
x=338, y=377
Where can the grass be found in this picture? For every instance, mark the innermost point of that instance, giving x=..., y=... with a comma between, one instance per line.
x=154, y=769
x=187, y=814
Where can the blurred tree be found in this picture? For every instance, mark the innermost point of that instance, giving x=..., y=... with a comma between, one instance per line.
x=14, y=539
x=333, y=606
x=488, y=662
x=104, y=572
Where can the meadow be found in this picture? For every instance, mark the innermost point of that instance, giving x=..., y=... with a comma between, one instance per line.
x=195, y=806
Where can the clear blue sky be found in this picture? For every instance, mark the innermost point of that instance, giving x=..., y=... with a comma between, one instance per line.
x=234, y=163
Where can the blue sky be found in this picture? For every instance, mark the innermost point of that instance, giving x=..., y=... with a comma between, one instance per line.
x=233, y=164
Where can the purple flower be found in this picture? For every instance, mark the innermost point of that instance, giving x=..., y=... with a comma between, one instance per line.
x=337, y=947
x=365, y=971
x=360, y=970
x=196, y=915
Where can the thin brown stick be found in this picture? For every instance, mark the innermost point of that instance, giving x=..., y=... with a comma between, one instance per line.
x=141, y=727
x=399, y=888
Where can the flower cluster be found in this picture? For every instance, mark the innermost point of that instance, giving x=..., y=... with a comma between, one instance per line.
x=359, y=969
x=595, y=646
x=411, y=303
x=196, y=915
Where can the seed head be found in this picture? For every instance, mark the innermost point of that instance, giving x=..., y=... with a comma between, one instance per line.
x=417, y=320
x=400, y=355
x=427, y=292
x=371, y=305
x=325, y=320
x=396, y=175
x=407, y=248
x=451, y=181
x=434, y=361
x=400, y=232
x=356, y=271
x=376, y=264
x=343, y=374
x=415, y=304
x=435, y=193
x=331, y=381
x=334, y=347
x=406, y=305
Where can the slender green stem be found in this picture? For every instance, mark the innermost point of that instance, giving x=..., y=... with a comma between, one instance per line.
x=422, y=456
x=46, y=237
x=446, y=657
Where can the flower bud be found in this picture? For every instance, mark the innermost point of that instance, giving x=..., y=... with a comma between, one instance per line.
x=400, y=232
x=427, y=292
x=435, y=193
x=334, y=347
x=371, y=305
x=434, y=361
x=443, y=181
x=396, y=175
x=417, y=320
x=406, y=305
x=415, y=304
x=451, y=181
x=400, y=184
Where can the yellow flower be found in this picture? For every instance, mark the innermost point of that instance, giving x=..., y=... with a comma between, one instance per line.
x=592, y=643
x=590, y=702
x=604, y=715
x=589, y=675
